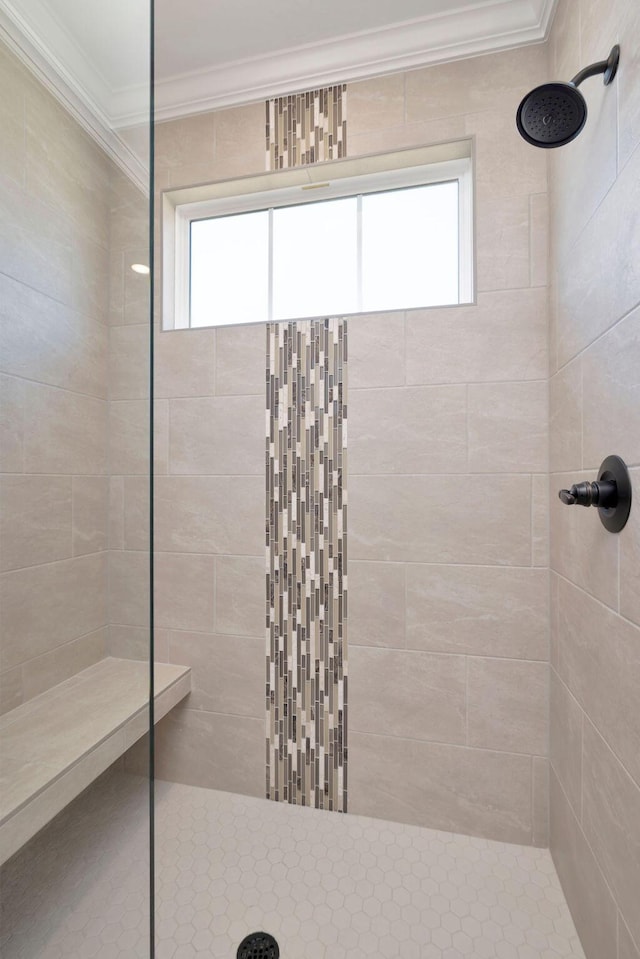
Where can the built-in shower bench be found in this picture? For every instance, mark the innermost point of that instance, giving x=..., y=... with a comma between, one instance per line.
x=53, y=746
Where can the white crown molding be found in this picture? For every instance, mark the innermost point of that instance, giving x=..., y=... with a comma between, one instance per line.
x=496, y=25
x=69, y=78
x=64, y=68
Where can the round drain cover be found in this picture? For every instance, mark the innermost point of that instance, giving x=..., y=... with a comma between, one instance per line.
x=259, y=945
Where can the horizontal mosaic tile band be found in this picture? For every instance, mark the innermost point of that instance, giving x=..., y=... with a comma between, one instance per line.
x=306, y=553
x=307, y=127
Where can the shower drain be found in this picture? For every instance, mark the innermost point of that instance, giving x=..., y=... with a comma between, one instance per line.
x=258, y=945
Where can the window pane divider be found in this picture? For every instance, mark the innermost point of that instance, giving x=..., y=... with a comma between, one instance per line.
x=359, y=253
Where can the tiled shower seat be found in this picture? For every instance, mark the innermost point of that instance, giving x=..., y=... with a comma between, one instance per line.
x=54, y=745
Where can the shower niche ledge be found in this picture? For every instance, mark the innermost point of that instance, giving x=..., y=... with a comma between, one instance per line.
x=55, y=745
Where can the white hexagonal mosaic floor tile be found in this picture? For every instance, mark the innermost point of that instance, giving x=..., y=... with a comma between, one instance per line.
x=326, y=886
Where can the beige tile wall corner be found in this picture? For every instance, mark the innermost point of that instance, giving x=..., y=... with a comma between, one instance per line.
x=594, y=411
x=448, y=561
x=54, y=255
x=129, y=422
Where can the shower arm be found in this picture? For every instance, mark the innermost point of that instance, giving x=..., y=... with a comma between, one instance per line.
x=608, y=67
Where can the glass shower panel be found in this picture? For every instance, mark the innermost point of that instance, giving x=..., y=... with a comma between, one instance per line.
x=75, y=647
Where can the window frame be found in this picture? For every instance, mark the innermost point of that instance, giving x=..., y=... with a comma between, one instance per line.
x=182, y=207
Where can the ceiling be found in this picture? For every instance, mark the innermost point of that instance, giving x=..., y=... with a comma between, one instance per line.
x=94, y=54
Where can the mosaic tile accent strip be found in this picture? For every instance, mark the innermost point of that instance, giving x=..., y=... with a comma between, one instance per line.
x=307, y=127
x=306, y=548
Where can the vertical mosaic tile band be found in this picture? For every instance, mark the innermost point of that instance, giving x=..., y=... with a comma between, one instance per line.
x=306, y=543
x=307, y=127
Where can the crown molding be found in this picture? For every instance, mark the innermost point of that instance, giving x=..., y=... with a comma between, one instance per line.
x=68, y=76
x=67, y=72
x=460, y=33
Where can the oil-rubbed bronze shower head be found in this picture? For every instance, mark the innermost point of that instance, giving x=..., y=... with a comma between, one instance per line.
x=555, y=113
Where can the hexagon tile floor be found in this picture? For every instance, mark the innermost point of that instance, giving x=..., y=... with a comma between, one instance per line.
x=326, y=886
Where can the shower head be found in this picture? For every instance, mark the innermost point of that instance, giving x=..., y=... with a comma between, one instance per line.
x=555, y=113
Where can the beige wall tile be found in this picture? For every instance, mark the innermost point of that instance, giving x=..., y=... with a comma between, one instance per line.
x=404, y=518
x=217, y=435
x=35, y=520
x=376, y=614
x=565, y=745
x=540, y=520
x=12, y=80
x=239, y=132
x=588, y=164
x=587, y=893
x=599, y=662
x=240, y=359
x=210, y=514
x=627, y=948
x=116, y=512
x=90, y=288
x=60, y=664
x=185, y=363
x=504, y=337
x=129, y=362
x=506, y=166
x=480, y=610
x=441, y=786
x=588, y=303
x=240, y=595
x=411, y=430
x=421, y=133
x=129, y=587
x=565, y=417
x=46, y=341
x=129, y=214
x=577, y=535
x=137, y=303
x=34, y=245
x=11, y=690
x=47, y=606
x=178, y=142
x=90, y=513
x=508, y=427
x=628, y=98
x=211, y=750
x=467, y=86
x=539, y=239
x=11, y=425
x=160, y=437
x=508, y=705
x=405, y=693
x=136, y=512
x=611, y=823
x=564, y=40
x=65, y=167
x=502, y=243
x=376, y=350
x=376, y=104
x=184, y=591
x=540, y=802
x=129, y=437
x=630, y=560
x=611, y=402
x=132, y=642
x=64, y=432
x=228, y=672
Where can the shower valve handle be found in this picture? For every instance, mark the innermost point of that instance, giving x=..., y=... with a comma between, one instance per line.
x=603, y=493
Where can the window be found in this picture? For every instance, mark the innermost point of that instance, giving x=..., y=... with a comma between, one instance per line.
x=379, y=240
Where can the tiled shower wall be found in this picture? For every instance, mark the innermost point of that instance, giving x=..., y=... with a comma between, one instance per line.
x=447, y=487
x=595, y=411
x=54, y=249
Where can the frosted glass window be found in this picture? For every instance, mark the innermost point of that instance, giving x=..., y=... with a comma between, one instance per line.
x=410, y=247
x=315, y=259
x=230, y=270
